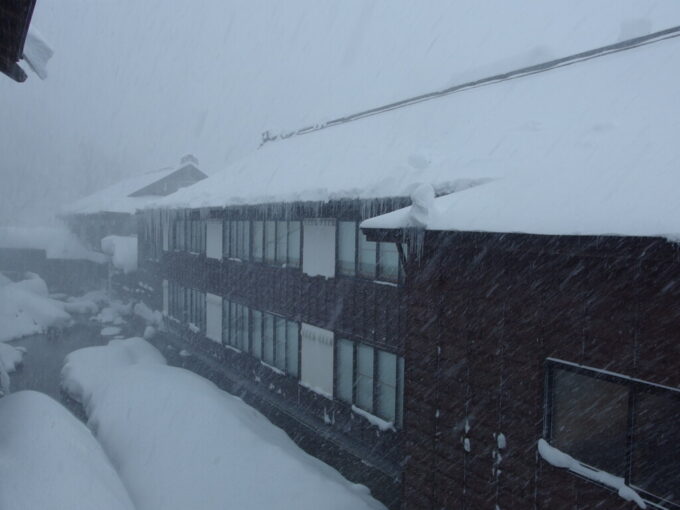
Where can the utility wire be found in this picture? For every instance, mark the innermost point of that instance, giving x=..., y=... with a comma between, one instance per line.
x=628, y=44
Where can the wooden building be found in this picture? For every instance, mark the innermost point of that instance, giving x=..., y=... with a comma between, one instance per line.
x=110, y=211
x=496, y=344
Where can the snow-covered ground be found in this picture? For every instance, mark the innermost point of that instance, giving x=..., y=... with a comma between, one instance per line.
x=26, y=309
x=179, y=442
x=50, y=461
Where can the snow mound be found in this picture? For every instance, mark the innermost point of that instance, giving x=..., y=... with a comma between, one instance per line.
x=179, y=442
x=150, y=317
x=25, y=309
x=11, y=356
x=110, y=331
x=123, y=251
x=49, y=460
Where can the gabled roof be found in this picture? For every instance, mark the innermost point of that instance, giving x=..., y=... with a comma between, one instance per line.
x=589, y=149
x=132, y=193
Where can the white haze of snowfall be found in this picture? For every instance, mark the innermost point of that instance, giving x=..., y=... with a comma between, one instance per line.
x=57, y=242
x=51, y=461
x=587, y=149
x=133, y=85
x=123, y=252
x=178, y=442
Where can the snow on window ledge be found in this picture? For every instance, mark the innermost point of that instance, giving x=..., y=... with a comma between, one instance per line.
x=374, y=420
x=559, y=459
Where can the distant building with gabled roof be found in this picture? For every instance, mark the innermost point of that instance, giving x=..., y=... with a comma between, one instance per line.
x=110, y=211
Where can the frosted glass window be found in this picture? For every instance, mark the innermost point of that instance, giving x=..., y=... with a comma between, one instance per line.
x=270, y=242
x=258, y=241
x=268, y=338
x=367, y=257
x=256, y=339
x=242, y=247
x=281, y=242
x=389, y=262
x=344, y=376
x=347, y=238
x=292, y=348
x=386, y=386
x=294, y=229
x=226, y=239
x=364, y=396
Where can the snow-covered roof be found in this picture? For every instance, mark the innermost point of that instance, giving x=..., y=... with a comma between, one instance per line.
x=588, y=149
x=116, y=198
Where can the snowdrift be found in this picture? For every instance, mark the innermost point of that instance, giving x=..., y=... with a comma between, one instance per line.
x=179, y=442
x=51, y=461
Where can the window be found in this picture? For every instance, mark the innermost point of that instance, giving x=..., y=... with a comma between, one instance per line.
x=256, y=334
x=364, y=378
x=592, y=415
x=281, y=242
x=294, y=240
x=292, y=348
x=280, y=343
x=258, y=241
x=236, y=325
x=388, y=262
x=386, y=386
x=236, y=240
x=268, y=338
x=347, y=240
x=367, y=257
x=270, y=242
x=344, y=372
x=196, y=236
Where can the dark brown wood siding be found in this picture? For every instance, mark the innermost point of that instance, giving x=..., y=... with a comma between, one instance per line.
x=485, y=311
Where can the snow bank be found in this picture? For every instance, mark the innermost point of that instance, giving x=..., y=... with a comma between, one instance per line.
x=10, y=356
x=123, y=251
x=179, y=442
x=150, y=317
x=51, y=461
x=560, y=459
x=25, y=309
x=57, y=242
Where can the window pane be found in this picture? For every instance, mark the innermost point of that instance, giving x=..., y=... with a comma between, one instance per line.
x=292, y=346
x=281, y=242
x=344, y=376
x=364, y=397
x=280, y=349
x=256, y=348
x=389, y=262
x=386, y=385
x=656, y=445
x=242, y=327
x=258, y=240
x=225, y=238
x=367, y=257
x=233, y=239
x=347, y=232
x=294, y=230
x=590, y=420
x=269, y=241
x=244, y=252
x=268, y=338
x=225, y=321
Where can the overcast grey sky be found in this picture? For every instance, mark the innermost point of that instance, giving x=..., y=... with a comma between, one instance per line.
x=134, y=84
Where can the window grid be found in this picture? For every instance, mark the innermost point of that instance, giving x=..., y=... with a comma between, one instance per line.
x=636, y=389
